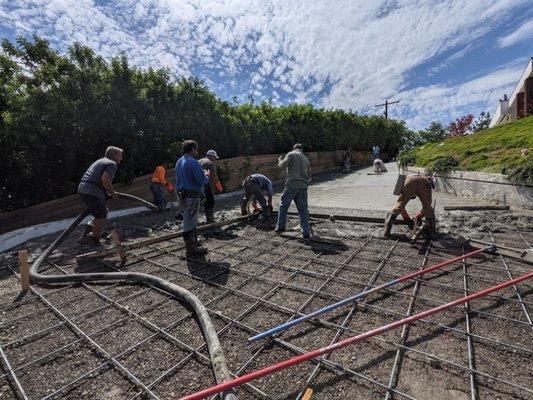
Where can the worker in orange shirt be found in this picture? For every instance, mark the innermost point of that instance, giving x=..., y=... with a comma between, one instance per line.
x=159, y=185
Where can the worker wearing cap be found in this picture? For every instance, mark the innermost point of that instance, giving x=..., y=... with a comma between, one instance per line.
x=258, y=188
x=415, y=186
x=159, y=185
x=190, y=181
x=208, y=163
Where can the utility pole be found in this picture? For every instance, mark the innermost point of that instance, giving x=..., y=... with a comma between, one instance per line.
x=386, y=104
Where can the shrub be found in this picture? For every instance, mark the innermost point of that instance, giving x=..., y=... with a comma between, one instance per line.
x=522, y=173
x=445, y=164
x=406, y=158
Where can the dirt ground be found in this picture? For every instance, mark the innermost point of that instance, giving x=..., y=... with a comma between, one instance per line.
x=105, y=341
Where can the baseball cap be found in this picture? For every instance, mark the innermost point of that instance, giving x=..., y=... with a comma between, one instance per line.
x=212, y=153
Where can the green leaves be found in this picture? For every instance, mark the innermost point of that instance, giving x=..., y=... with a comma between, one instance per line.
x=58, y=113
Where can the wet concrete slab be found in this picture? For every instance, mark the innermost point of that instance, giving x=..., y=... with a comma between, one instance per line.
x=362, y=192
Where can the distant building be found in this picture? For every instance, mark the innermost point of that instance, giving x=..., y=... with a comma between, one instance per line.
x=520, y=103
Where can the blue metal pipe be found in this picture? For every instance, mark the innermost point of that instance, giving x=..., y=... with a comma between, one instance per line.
x=365, y=293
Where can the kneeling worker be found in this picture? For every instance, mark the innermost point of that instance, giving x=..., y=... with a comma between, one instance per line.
x=415, y=186
x=257, y=186
x=95, y=187
x=379, y=166
x=190, y=182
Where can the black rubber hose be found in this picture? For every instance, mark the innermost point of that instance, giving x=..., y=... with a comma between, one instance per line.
x=216, y=354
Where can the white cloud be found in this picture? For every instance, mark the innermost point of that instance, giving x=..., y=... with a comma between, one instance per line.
x=353, y=53
x=446, y=103
x=524, y=31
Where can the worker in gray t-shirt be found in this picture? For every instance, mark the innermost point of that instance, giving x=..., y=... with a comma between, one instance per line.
x=298, y=170
x=94, y=188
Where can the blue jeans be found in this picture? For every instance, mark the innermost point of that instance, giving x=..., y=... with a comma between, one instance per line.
x=299, y=195
x=158, y=191
x=190, y=209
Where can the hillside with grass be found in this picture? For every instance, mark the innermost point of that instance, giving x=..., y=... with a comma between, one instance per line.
x=492, y=150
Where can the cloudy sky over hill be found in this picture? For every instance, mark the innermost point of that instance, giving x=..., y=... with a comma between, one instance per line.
x=441, y=59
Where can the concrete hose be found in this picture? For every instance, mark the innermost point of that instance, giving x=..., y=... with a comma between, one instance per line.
x=218, y=361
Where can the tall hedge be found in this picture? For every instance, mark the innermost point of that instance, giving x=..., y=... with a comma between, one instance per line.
x=58, y=112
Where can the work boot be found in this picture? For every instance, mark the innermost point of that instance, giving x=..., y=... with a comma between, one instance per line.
x=264, y=221
x=195, y=236
x=199, y=247
x=209, y=216
x=89, y=239
x=389, y=221
x=192, y=248
x=431, y=227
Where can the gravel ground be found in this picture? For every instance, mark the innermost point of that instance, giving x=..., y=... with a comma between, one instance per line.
x=253, y=279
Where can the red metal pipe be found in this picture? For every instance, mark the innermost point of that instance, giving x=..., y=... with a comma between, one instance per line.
x=361, y=295
x=346, y=342
x=443, y=264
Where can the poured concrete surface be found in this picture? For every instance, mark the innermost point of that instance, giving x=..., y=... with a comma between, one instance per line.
x=361, y=193
x=356, y=193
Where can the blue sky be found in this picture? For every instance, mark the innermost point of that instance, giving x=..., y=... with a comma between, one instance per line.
x=441, y=59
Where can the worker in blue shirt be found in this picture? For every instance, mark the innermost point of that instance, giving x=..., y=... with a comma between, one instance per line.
x=190, y=181
x=376, y=151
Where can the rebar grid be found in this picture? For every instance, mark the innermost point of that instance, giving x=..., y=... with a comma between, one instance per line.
x=408, y=266
x=334, y=297
x=346, y=320
x=266, y=304
x=99, y=349
x=393, y=378
x=335, y=326
x=523, y=304
x=307, y=302
x=474, y=394
x=272, y=291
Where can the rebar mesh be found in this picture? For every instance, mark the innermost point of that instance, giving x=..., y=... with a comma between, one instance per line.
x=124, y=341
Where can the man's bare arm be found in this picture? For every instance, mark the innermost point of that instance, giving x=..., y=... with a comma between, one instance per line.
x=108, y=185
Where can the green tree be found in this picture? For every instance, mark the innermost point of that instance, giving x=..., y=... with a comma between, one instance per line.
x=482, y=122
x=58, y=113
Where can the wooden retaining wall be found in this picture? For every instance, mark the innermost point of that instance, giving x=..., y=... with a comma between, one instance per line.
x=232, y=171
